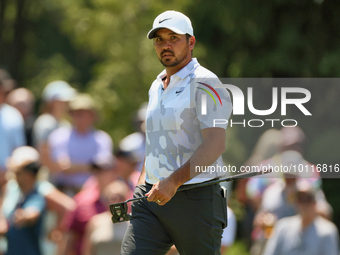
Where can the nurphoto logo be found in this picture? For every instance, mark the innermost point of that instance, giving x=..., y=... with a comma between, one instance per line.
x=281, y=97
x=204, y=97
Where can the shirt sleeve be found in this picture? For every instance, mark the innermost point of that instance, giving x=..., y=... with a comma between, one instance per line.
x=42, y=134
x=105, y=145
x=44, y=188
x=18, y=134
x=213, y=104
x=330, y=243
x=36, y=201
x=43, y=127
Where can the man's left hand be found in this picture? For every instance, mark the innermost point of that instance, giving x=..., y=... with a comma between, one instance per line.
x=162, y=191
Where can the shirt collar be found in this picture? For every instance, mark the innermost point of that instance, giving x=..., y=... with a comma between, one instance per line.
x=184, y=72
x=74, y=131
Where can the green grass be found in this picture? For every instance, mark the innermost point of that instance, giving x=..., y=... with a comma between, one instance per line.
x=238, y=248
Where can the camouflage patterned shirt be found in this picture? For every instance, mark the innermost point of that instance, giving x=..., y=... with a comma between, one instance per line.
x=175, y=117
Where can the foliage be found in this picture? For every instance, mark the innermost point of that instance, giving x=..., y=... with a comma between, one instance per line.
x=100, y=47
x=238, y=248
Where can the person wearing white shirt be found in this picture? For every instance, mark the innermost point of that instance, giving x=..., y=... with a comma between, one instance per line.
x=180, y=137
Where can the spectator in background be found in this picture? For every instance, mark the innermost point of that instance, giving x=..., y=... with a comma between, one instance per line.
x=290, y=153
x=73, y=149
x=139, y=118
x=11, y=128
x=129, y=156
x=266, y=147
x=139, y=136
x=23, y=225
x=229, y=233
x=306, y=233
x=248, y=190
x=57, y=205
x=89, y=202
x=278, y=199
x=7, y=80
x=282, y=185
x=101, y=236
x=23, y=100
x=55, y=96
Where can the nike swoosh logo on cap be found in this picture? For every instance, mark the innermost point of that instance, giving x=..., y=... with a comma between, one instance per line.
x=163, y=20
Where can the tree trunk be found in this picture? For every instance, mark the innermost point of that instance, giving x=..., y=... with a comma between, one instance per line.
x=2, y=24
x=18, y=46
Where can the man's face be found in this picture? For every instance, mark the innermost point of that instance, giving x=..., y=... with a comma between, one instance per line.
x=290, y=180
x=106, y=176
x=83, y=119
x=173, y=49
x=59, y=106
x=125, y=167
x=22, y=177
x=305, y=203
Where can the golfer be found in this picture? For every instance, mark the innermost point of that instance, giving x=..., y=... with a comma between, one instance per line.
x=182, y=142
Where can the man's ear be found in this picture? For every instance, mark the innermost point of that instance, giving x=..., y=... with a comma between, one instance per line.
x=192, y=42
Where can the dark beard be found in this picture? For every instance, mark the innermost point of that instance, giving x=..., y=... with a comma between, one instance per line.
x=176, y=61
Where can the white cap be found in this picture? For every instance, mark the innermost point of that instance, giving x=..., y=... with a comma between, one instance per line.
x=82, y=101
x=175, y=21
x=132, y=146
x=58, y=90
x=104, y=161
x=141, y=112
x=23, y=156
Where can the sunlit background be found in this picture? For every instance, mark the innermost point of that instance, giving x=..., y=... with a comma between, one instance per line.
x=100, y=47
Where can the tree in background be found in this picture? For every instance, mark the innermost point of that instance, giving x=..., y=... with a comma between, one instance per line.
x=100, y=47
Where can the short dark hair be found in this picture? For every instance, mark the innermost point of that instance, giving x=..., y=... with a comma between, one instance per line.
x=32, y=168
x=127, y=155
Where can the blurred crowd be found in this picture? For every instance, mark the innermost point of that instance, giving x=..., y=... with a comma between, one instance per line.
x=286, y=211
x=58, y=175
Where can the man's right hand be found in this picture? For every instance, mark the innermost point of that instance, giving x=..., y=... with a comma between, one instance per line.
x=162, y=191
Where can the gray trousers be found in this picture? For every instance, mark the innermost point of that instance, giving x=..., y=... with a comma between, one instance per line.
x=193, y=220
